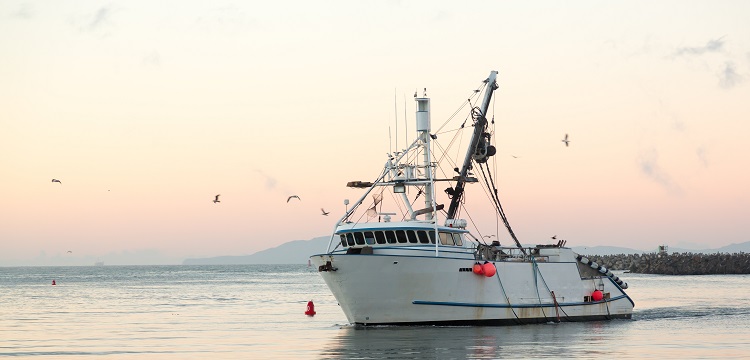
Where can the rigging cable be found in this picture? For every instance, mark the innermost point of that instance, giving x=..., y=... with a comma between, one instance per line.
x=507, y=299
x=548, y=289
x=606, y=301
x=499, y=207
x=494, y=158
x=535, y=269
x=474, y=93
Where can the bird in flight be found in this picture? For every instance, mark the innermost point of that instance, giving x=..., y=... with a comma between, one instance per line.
x=566, y=141
x=324, y=212
x=216, y=199
x=70, y=252
x=292, y=197
x=488, y=236
x=57, y=181
x=554, y=237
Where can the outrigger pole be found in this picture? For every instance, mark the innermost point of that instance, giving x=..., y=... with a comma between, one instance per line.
x=480, y=128
x=479, y=151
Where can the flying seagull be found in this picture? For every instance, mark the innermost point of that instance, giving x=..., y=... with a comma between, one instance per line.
x=488, y=236
x=57, y=181
x=70, y=252
x=216, y=199
x=324, y=212
x=291, y=197
x=566, y=141
x=554, y=237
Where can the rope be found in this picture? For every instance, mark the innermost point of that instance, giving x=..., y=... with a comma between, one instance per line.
x=557, y=306
x=535, y=268
x=507, y=299
x=498, y=207
x=547, y=286
x=606, y=302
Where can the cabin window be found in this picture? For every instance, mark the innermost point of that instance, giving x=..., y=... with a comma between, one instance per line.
x=446, y=238
x=343, y=240
x=350, y=239
x=431, y=234
x=390, y=236
x=412, y=236
x=422, y=235
x=359, y=238
x=379, y=237
x=457, y=239
x=369, y=237
x=401, y=236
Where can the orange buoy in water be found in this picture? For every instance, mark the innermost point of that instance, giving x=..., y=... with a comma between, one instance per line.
x=310, y=308
x=477, y=269
x=53, y=282
x=597, y=295
x=489, y=269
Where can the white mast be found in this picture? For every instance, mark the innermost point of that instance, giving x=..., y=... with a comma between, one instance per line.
x=423, y=129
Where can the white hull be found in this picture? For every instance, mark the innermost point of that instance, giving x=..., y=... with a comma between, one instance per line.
x=378, y=289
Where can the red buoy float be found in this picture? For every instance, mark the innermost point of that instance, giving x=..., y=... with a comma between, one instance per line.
x=310, y=308
x=597, y=295
x=478, y=269
x=53, y=282
x=489, y=269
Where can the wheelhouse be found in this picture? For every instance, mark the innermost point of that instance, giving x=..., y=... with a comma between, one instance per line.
x=396, y=236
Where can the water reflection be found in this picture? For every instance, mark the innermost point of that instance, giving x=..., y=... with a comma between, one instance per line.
x=564, y=340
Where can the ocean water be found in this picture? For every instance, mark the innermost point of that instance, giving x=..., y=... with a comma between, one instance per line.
x=257, y=312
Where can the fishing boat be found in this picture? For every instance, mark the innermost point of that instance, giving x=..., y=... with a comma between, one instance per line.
x=399, y=256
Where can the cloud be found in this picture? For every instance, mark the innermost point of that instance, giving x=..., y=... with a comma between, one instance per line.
x=97, y=21
x=701, y=152
x=100, y=18
x=714, y=45
x=152, y=59
x=228, y=20
x=268, y=181
x=25, y=11
x=649, y=165
x=728, y=77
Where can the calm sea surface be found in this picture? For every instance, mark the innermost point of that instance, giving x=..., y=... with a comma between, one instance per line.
x=257, y=312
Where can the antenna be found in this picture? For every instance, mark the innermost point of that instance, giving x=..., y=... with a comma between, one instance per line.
x=390, y=141
x=395, y=112
x=406, y=125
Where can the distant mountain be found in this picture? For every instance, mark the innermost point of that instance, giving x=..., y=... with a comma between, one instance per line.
x=298, y=251
x=293, y=252
x=732, y=248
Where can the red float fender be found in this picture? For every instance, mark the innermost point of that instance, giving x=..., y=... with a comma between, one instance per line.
x=478, y=269
x=489, y=269
x=597, y=295
x=310, y=308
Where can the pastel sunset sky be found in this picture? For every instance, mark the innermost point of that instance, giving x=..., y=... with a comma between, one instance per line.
x=146, y=110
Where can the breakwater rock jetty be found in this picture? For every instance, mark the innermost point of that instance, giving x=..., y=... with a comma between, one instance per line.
x=677, y=263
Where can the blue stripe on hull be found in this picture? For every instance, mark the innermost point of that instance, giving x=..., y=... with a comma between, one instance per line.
x=519, y=306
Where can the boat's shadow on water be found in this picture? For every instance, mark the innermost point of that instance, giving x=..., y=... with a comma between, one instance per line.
x=564, y=340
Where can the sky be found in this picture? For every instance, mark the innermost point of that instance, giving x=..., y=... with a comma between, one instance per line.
x=145, y=111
